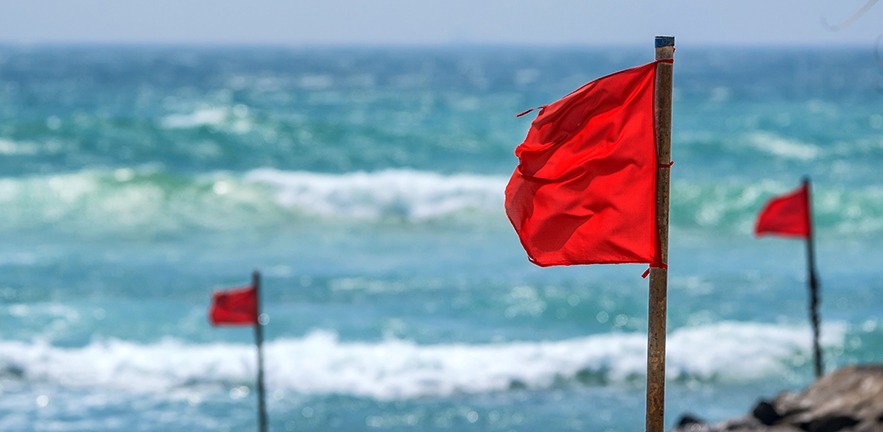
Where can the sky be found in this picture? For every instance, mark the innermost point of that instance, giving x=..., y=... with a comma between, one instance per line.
x=439, y=22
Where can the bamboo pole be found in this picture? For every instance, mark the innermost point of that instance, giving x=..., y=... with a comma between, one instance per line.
x=259, y=340
x=813, y=282
x=659, y=276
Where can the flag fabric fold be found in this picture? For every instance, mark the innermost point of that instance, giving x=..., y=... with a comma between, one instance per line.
x=786, y=215
x=584, y=190
x=236, y=306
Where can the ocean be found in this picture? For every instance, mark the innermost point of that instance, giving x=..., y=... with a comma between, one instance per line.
x=366, y=185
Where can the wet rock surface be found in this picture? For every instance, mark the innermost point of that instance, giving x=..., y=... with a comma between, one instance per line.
x=847, y=400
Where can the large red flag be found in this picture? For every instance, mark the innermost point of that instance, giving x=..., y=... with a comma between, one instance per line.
x=584, y=191
x=786, y=215
x=237, y=306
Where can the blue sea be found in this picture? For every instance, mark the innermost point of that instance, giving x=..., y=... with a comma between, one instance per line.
x=366, y=185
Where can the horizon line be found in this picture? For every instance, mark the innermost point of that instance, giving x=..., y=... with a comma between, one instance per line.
x=415, y=45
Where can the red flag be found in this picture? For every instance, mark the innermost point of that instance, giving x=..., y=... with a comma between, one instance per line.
x=786, y=215
x=584, y=191
x=237, y=306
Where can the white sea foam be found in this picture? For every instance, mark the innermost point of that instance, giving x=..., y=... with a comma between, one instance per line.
x=321, y=363
x=783, y=147
x=233, y=119
x=405, y=194
x=202, y=117
x=146, y=200
x=10, y=148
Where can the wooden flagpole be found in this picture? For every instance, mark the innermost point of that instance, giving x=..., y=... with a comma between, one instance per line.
x=659, y=276
x=259, y=340
x=813, y=283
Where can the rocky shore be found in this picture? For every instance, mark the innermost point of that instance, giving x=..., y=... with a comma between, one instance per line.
x=847, y=400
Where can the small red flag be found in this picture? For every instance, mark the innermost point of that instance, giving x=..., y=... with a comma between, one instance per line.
x=237, y=306
x=786, y=215
x=584, y=191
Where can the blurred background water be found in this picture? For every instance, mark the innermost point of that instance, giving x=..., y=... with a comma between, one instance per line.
x=367, y=186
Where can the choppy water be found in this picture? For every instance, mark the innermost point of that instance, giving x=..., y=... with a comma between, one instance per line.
x=367, y=186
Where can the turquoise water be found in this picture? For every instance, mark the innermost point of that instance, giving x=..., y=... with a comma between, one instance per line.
x=366, y=184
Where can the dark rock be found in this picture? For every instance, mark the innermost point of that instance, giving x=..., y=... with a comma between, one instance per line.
x=847, y=400
x=766, y=413
x=830, y=424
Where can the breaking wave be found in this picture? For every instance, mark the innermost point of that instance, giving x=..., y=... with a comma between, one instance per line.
x=150, y=200
x=321, y=363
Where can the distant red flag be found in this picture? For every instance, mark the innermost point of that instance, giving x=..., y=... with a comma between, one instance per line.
x=237, y=306
x=584, y=191
x=786, y=215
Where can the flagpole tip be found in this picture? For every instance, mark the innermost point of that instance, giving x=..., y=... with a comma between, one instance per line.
x=665, y=41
